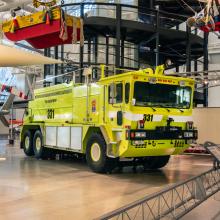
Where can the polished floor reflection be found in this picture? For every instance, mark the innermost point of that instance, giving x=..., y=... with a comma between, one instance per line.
x=67, y=189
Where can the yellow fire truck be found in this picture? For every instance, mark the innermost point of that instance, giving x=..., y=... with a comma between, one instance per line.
x=142, y=115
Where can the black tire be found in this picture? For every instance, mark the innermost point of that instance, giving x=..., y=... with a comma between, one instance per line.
x=28, y=143
x=99, y=163
x=156, y=162
x=39, y=149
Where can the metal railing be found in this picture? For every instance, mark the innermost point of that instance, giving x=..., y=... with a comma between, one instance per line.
x=155, y=18
x=126, y=12
x=173, y=202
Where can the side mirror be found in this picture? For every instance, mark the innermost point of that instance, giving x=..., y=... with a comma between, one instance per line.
x=119, y=117
x=26, y=112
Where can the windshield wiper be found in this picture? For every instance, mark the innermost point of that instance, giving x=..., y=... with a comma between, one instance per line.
x=162, y=106
x=180, y=110
x=153, y=108
x=176, y=107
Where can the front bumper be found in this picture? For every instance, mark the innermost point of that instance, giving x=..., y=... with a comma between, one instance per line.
x=144, y=148
x=160, y=134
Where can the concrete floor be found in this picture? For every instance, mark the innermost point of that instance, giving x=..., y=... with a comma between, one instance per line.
x=208, y=210
x=67, y=189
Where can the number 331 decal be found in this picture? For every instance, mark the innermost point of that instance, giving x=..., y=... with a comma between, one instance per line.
x=148, y=117
x=50, y=113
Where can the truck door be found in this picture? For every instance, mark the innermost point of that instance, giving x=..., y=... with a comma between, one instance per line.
x=115, y=104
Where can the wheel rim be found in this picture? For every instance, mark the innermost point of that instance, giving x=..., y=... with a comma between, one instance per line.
x=38, y=143
x=95, y=152
x=27, y=142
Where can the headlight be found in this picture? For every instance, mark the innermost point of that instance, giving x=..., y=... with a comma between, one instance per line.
x=188, y=134
x=140, y=134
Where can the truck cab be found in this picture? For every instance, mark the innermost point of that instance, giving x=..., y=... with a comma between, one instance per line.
x=149, y=113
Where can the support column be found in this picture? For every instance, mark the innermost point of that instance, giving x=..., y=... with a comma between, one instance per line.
x=106, y=54
x=95, y=49
x=81, y=47
x=177, y=68
x=81, y=63
x=47, y=68
x=151, y=5
x=62, y=58
x=195, y=65
x=95, y=55
x=188, y=50
x=205, y=65
x=139, y=61
x=177, y=27
x=56, y=55
x=118, y=36
x=89, y=51
x=107, y=50
x=122, y=52
x=157, y=51
x=195, y=70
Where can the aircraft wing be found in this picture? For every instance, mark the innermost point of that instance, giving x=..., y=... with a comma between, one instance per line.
x=7, y=105
x=5, y=110
x=14, y=57
x=4, y=121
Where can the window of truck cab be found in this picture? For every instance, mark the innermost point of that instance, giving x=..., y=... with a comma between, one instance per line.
x=115, y=93
x=162, y=95
x=127, y=92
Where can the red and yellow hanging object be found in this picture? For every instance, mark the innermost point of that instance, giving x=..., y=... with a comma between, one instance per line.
x=49, y=4
x=45, y=28
x=13, y=90
x=14, y=25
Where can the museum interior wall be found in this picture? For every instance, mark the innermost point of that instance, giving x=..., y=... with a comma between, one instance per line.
x=207, y=121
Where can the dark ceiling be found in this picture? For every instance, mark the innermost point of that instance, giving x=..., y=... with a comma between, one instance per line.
x=174, y=6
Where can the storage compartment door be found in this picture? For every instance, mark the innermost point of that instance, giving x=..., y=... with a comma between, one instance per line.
x=76, y=138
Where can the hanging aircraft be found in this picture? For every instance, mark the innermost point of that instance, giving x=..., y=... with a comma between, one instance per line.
x=14, y=57
x=208, y=19
x=5, y=109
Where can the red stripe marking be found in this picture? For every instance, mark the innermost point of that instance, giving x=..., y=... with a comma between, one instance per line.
x=3, y=88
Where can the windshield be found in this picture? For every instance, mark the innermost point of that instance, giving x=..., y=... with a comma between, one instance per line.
x=162, y=95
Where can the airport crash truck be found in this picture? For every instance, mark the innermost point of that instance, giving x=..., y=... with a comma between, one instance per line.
x=142, y=115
